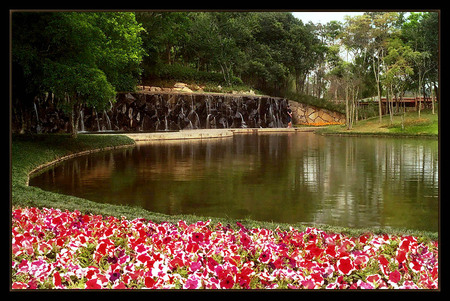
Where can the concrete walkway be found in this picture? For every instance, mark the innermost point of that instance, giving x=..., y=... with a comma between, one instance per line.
x=210, y=133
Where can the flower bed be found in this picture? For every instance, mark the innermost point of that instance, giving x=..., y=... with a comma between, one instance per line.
x=64, y=249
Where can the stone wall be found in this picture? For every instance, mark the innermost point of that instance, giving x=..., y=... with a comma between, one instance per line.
x=148, y=111
x=307, y=114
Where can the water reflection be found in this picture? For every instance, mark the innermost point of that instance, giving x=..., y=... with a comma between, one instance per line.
x=346, y=181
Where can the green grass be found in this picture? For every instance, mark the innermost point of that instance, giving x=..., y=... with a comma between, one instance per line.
x=30, y=151
x=425, y=126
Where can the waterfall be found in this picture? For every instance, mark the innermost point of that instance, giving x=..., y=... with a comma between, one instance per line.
x=82, y=120
x=38, y=126
x=98, y=122
x=207, y=121
x=243, y=125
x=108, y=122
x=132, y=110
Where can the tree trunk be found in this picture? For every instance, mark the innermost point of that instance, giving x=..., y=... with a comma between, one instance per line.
x=347, y=111
x=376, y=71
x=380, y=111
x=433, y=98
x=420, y=99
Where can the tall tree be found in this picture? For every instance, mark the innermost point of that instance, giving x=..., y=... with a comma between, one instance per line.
x=420, y=32
x=399, y=62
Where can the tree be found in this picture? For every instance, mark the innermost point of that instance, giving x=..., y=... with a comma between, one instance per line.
x=420, y=32
x=398, y=63
x=82, y=58
x=165, y=33
x=369, y=34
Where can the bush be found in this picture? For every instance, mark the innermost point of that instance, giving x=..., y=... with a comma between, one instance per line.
x=317, y=102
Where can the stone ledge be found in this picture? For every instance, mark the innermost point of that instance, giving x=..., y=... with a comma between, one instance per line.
x=210, y=133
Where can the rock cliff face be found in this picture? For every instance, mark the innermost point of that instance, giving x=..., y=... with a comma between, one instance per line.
x=171, y=111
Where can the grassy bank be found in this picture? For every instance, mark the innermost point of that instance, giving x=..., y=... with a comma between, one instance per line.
x=425, y=126
x=31, y=151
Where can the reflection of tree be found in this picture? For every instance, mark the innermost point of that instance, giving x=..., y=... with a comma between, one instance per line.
x=378, y=179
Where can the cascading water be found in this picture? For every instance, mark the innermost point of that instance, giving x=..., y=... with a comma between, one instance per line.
x=38, y=126
x=135, y=112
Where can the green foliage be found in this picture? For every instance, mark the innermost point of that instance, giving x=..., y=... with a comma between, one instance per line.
x=318, y=102
x=261, y=49
x=188, y=74
x=83, y=58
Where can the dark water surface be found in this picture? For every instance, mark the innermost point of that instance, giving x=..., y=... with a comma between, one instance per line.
x=288, y=177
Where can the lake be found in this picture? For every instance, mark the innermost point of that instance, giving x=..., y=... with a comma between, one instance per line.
x=286, y=177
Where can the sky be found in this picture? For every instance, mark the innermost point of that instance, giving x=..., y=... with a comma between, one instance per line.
x=323, y=17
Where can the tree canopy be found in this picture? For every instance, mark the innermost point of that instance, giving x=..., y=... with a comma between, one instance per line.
x=84, y=58
x=81, y=58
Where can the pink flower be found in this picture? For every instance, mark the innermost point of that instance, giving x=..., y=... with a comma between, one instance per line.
x=195, y=266
x=191, y=283
x=308, y=284
x=365, y=285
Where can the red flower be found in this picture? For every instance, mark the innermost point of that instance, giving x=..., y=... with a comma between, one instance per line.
x=192, y=247
x=19, y=285
x=264, y=257
x=401, y=255
x=149, y=282
x=245, y=240
x=415, y=266
x=395, y=276
x=153, y=251
x=317, y=278
x=345, y=265
x=331, y=250
x=56, y=279
x=227, y=282
x=197, y=237
x=314, y=250
x=211, y=263
x=384, y=264
x=93, y=284
x=119, y=286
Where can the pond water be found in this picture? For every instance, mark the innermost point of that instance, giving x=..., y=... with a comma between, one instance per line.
x=286, y=177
